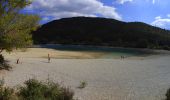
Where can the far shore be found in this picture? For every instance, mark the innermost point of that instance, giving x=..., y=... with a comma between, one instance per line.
x=58, y=51
x=147, y=50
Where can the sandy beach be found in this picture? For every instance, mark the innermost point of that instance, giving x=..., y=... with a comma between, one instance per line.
x=143, y=78
x=43, y=52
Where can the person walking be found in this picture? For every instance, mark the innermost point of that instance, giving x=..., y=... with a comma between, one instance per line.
x=17, y=61
x=49, y=58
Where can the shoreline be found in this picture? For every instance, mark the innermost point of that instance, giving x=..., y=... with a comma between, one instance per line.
x=112, y=78
x=54, y=46
x=58, y=51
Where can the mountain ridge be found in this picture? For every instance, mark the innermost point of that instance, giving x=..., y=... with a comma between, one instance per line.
x=102, y=31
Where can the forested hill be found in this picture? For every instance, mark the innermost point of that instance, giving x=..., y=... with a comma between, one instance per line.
x=102, y=31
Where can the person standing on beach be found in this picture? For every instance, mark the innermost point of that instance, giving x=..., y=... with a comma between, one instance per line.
x=122, y=57
x=17, y=61
x=49, y=58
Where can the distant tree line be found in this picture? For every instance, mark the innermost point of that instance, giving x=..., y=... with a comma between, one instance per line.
x=103, y=32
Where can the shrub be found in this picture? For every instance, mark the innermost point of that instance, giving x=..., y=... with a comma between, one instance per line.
x=168, y=95
x=4, y=64
x=82, y=85
x=36, y=90
x=1, y=59
x=7, y=94
x=166, y=47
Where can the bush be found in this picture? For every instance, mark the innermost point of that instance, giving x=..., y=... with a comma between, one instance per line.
x=142, y=43
x=168, y=95
x=36, y=90
x=7, y=94
x=82, y=85
x=166, y=47
x=4, y=64
x=1, y=59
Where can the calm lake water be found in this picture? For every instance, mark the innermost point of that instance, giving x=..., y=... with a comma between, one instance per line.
x=109, y=52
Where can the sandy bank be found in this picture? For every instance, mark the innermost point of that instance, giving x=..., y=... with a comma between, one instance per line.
x=108, y=79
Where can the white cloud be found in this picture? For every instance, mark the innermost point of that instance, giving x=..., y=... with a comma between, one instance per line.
x=161, y=22
x=158, y=17
x=168, y=15
x=153, y=1
x=123, y=1
x=45, y=18
x=70, y=8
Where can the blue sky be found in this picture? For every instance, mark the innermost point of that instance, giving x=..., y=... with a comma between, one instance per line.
x=154, y=12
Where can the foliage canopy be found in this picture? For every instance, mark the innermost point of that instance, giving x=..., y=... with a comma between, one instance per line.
x=15, y=26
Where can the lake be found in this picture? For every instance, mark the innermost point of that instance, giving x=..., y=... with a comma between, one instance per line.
x=107, y=52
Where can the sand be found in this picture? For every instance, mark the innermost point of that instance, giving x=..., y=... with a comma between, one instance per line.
x=107, y=79
x=43, y=53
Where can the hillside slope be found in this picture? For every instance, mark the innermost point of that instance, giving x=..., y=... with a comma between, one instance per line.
x=102, y=31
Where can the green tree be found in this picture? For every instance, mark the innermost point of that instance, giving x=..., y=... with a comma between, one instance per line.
x=15, y=27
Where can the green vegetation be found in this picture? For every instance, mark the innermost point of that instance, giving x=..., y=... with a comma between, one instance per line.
x=15, y=27
x=36, y=90
x=82, y=85
x=103, y=32
x=4, y=64
x=168, y=95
